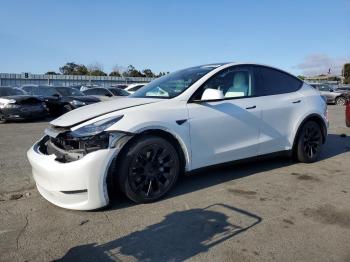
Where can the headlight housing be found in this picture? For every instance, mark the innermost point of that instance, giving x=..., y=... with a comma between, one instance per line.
x=78, y=103
x=97, y=127
x=76, y=144
x=7, y=103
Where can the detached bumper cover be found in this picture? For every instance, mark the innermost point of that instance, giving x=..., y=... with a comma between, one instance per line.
x=79, y=185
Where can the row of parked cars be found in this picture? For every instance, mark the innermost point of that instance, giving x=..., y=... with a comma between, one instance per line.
x=34, y=101
x=333, y=94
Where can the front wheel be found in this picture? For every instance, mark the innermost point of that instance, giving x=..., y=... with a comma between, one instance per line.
x=148, y=169
x=2, y=118
x=309, y=142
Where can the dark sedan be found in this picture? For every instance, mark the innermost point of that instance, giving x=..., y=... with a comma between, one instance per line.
x=15, y=104
x=106, y=93
x=61, y=99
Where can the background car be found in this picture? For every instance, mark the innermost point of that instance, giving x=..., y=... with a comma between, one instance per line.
x=60, y=100
x=122, y=86
x=347, y=114
x=333, y=96
x=344, y=88
x=15, y=104
x=132, y=88
x=88, y=86
x=106, y=93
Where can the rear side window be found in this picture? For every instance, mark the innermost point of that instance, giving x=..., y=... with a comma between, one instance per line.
x=274, y=82
x=96, y=91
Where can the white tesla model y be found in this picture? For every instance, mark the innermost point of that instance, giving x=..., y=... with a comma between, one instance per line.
x=189, y=119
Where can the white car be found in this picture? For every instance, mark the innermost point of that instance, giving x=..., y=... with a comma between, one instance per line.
x=186, y=120
x=132, y=88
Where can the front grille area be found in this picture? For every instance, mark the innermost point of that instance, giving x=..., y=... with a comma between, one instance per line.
x=69, y=142
x=67, y=147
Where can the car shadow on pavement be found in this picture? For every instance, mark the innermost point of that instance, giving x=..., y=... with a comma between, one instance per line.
x=179, y=236
x=336, y=144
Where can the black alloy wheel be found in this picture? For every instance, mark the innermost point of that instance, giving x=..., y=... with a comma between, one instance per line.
x=2, y=118
x=149, y=169
x=340, y=101
x=309, y=142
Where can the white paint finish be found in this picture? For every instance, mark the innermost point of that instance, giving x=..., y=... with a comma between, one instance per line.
x=214, y=132
x=94, y=110
x=223, y=131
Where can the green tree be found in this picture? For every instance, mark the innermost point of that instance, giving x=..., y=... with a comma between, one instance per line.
x=51, y=73
x=346, y=73
x=115, y=73
x=148, y=73
x=334, y=78
x=301, y=77
x=72, y=68
x=132, y=72
x=97, y=72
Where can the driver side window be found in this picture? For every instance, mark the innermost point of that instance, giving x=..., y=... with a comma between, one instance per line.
x=234, y=82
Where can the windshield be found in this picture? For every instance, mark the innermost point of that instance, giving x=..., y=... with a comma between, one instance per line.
x=6, y=91
x=44, y=91
x=171, y=85
x=119, y=92
x=67, y=91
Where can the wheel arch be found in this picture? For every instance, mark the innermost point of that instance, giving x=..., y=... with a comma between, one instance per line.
x=316, y=118
x=161, y=132
x=174, y=139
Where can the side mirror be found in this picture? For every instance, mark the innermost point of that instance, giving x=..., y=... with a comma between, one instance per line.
x=108, y=94
x=56, y=95
x=331, y=90
x=212, y=94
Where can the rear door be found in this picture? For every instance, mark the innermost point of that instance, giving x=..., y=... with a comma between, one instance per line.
x=281, y=105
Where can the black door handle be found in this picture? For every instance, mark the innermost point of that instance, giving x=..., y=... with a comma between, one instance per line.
x=296, y=102
x=251, y=107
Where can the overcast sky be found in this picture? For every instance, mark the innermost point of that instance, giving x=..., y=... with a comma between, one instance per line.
x=303, y=37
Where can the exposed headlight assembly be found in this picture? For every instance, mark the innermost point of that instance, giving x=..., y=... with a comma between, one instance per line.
x=73, y=145
x=97, y=127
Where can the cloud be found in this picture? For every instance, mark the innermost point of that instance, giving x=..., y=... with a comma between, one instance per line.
x=316, y=64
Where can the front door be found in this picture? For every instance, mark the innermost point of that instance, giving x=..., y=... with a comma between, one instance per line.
x=227, y=129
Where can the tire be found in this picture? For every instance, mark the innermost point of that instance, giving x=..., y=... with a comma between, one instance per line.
x=2, y=118
x=67, y=108
x=309, y=142
x=148, y=169
x=340, y=101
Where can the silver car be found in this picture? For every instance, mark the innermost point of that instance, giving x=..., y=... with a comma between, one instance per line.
x=333, y=95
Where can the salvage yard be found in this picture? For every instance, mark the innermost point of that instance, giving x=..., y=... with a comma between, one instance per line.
x=273, y=209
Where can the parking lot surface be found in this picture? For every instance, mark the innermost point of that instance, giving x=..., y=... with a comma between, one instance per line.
x=268, y=210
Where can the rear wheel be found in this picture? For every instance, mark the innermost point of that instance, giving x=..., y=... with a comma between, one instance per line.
x=148, y=169
x=309, y=142
x=340, y=101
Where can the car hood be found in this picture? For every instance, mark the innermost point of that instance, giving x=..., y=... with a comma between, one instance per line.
x=85, y=113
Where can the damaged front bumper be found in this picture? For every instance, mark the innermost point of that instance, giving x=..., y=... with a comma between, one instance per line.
x=73, y=175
